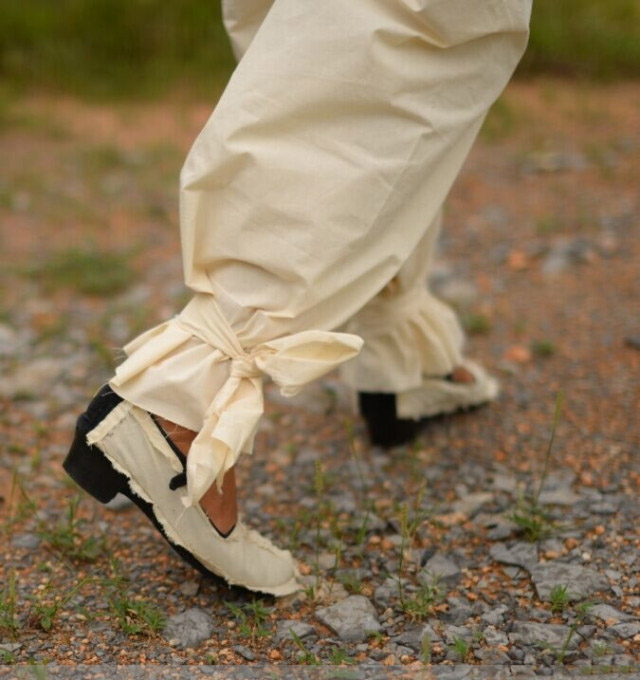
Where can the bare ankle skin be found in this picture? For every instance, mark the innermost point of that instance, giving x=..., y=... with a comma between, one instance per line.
x=461, y=375
x=220, y=506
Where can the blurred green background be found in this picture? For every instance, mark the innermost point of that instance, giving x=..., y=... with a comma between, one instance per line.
x=145, y=47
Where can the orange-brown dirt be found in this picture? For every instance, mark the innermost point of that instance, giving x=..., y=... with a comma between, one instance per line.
x=544, y=223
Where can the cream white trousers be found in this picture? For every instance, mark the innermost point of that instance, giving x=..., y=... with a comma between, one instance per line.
x=310, y=202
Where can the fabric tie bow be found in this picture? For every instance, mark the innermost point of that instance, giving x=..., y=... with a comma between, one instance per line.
x=231, y=420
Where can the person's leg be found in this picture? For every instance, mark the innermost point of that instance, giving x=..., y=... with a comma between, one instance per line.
x=336, y=141
x=412, y=365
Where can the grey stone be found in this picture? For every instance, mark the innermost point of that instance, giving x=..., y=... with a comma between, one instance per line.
x=459, y=611
x=119, y=502
x=32, y=378
x=541, y=615
x=552, y=545
x=429, y=631
x=27, y=541
x=10, y=341
x=580, y=581
x=495, y=616
x=606, y=612
x=344, y=502
x=567, y=252
x=471, y=504
x=604, y=508
x=189, y=628
x=561, y=479
x=506, y=483
x=400, y=650
x=411, y=638
x=586, y=632
x=326, y=561
x=492, y=657
x=383, y=594
x=244, y=652
x=498, y=527
x=542, y=634
x=352, y=619
x=307, y=456
x=502, y=530
x=520, y=554
x=516, y=654
x=450, y=633
x=513, y=572
x=627, y=630
x=286, y=627
x=371, y=523
x=632, y=341
x=549, y=161
x=565, y=497
x=494, y=637
x=189, y=588
x=439, y=568
x=458, y=292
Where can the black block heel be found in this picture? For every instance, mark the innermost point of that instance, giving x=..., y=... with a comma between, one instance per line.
x=385, y=428
x=87, y=465
x=91, y=470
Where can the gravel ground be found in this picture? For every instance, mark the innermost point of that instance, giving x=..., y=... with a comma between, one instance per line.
x=462, y=551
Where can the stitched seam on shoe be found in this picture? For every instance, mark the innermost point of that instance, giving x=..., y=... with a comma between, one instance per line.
x=109, y=423
x=166, y=525
x=158, y=442
x=169, y=528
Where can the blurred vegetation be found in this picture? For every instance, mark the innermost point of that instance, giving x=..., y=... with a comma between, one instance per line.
x=111, y=48
x=90, y=272
x=589, y=38
x=144, y=47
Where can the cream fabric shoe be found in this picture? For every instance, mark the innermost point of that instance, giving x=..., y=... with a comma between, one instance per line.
x=437, y=396
x=119, y=449
x=396, y=419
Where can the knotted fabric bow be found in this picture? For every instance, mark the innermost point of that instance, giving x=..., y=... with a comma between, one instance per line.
x=231, y=420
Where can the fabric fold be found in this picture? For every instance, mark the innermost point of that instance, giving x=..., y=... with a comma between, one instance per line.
x=408, y=336
x=230, y=422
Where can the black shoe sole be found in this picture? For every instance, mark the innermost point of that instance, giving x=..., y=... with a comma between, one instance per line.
x=92, y=471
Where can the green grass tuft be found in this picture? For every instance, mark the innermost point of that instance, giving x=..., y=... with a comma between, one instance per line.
x=91, y=272
x=137, y=617
x=476, y=324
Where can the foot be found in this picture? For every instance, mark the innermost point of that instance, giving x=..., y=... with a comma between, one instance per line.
x=461, y=375
x=221, y=507
x=119, y=449
x=466, y=386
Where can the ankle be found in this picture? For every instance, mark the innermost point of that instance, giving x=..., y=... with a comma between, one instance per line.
x=220, y=506
x=180, y=436
x=461, y=375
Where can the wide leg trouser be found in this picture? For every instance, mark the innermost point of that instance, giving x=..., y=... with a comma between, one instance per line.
x=407, y=332
x=314, y=187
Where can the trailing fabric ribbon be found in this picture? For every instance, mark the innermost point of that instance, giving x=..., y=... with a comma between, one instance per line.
x=230, y=422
